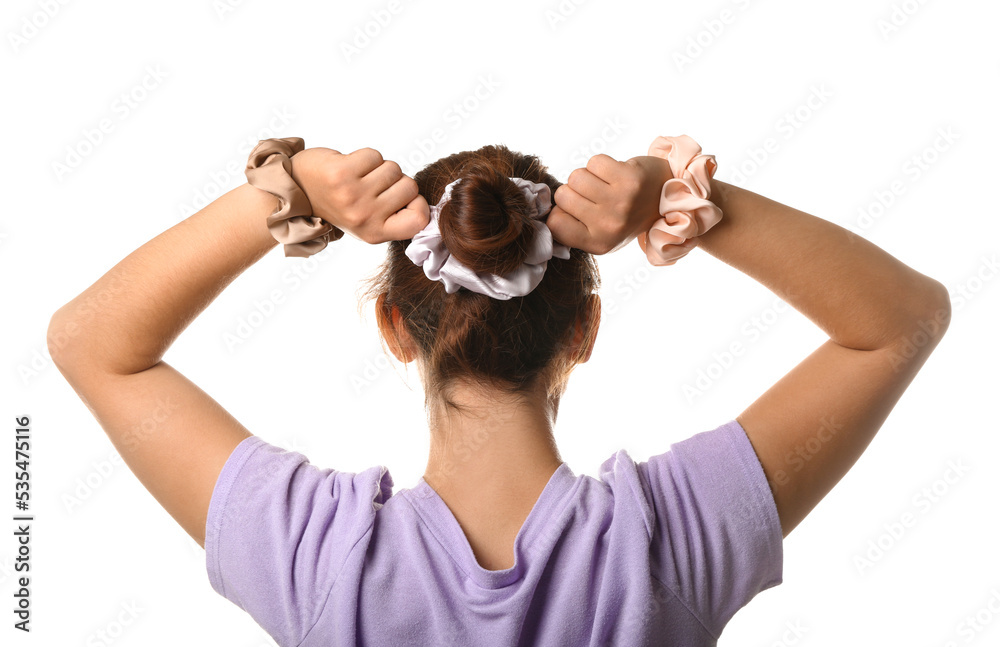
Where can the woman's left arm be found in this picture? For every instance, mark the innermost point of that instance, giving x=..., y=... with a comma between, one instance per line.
x=109, y=341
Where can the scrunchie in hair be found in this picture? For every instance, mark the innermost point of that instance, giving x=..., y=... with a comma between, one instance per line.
x=427, y=250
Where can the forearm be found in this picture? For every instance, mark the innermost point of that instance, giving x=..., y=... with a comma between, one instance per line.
x=125, y=321
x=858, y=294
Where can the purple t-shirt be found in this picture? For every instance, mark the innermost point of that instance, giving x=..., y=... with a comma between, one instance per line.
x=661, y=552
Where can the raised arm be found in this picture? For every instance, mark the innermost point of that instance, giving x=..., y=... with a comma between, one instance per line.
x=883, y=317
x=109, y=341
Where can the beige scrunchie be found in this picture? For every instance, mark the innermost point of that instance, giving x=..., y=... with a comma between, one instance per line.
x=270, y=169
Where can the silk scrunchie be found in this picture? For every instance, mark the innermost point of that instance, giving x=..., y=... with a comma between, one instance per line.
x=684, y=205
x=427, y=250
x=270, y=169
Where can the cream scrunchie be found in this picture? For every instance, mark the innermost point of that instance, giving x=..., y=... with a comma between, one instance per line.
x=684, y=205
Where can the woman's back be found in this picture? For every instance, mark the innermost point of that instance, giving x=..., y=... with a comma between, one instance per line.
x=664, y=550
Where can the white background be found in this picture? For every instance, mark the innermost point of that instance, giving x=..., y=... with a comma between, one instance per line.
x=849, y=98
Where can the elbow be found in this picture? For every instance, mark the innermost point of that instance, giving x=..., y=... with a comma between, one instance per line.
x=80, y=344
x=936, y=311
x=62, y=338
x=928, y=316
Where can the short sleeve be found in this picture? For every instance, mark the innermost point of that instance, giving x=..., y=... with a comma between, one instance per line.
x=280, y=529
x=716, y=537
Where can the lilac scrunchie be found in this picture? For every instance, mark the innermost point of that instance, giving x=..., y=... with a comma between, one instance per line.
x=428, y=250
x=684, y=205
x=269, y=168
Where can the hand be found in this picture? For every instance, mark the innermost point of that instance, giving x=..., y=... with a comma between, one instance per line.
x=361, y=193
x=602, y=207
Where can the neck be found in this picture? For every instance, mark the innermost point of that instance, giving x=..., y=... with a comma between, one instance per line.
x=495, y=445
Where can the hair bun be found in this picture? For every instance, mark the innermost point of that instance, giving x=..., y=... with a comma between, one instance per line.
x=486, y=225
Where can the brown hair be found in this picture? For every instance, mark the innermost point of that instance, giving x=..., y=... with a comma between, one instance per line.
x=504, y=344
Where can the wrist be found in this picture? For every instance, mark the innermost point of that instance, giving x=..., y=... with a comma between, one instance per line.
x=293, y=223
x=301, y=172
x=256, y=201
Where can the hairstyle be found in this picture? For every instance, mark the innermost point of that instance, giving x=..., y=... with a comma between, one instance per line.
x=505, y=345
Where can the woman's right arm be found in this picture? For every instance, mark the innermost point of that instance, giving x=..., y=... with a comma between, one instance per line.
x=883, y=318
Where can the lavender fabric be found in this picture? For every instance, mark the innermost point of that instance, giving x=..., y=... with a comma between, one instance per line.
x=661, y=552
x=428, y=251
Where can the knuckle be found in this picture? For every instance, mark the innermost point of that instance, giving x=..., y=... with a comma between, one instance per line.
x=410, y=185
x=349, y=192
x=338, y=177
x=598, y=160
x=394, y=168
x=349, y=220
x=355, y=218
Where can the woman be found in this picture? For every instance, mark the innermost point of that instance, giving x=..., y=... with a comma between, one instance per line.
x=491, y=292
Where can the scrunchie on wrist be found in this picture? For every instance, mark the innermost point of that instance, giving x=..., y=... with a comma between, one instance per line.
x=269, y=168
x=684, y=205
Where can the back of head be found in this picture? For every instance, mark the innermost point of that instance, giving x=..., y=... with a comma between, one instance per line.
x=505, y=345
